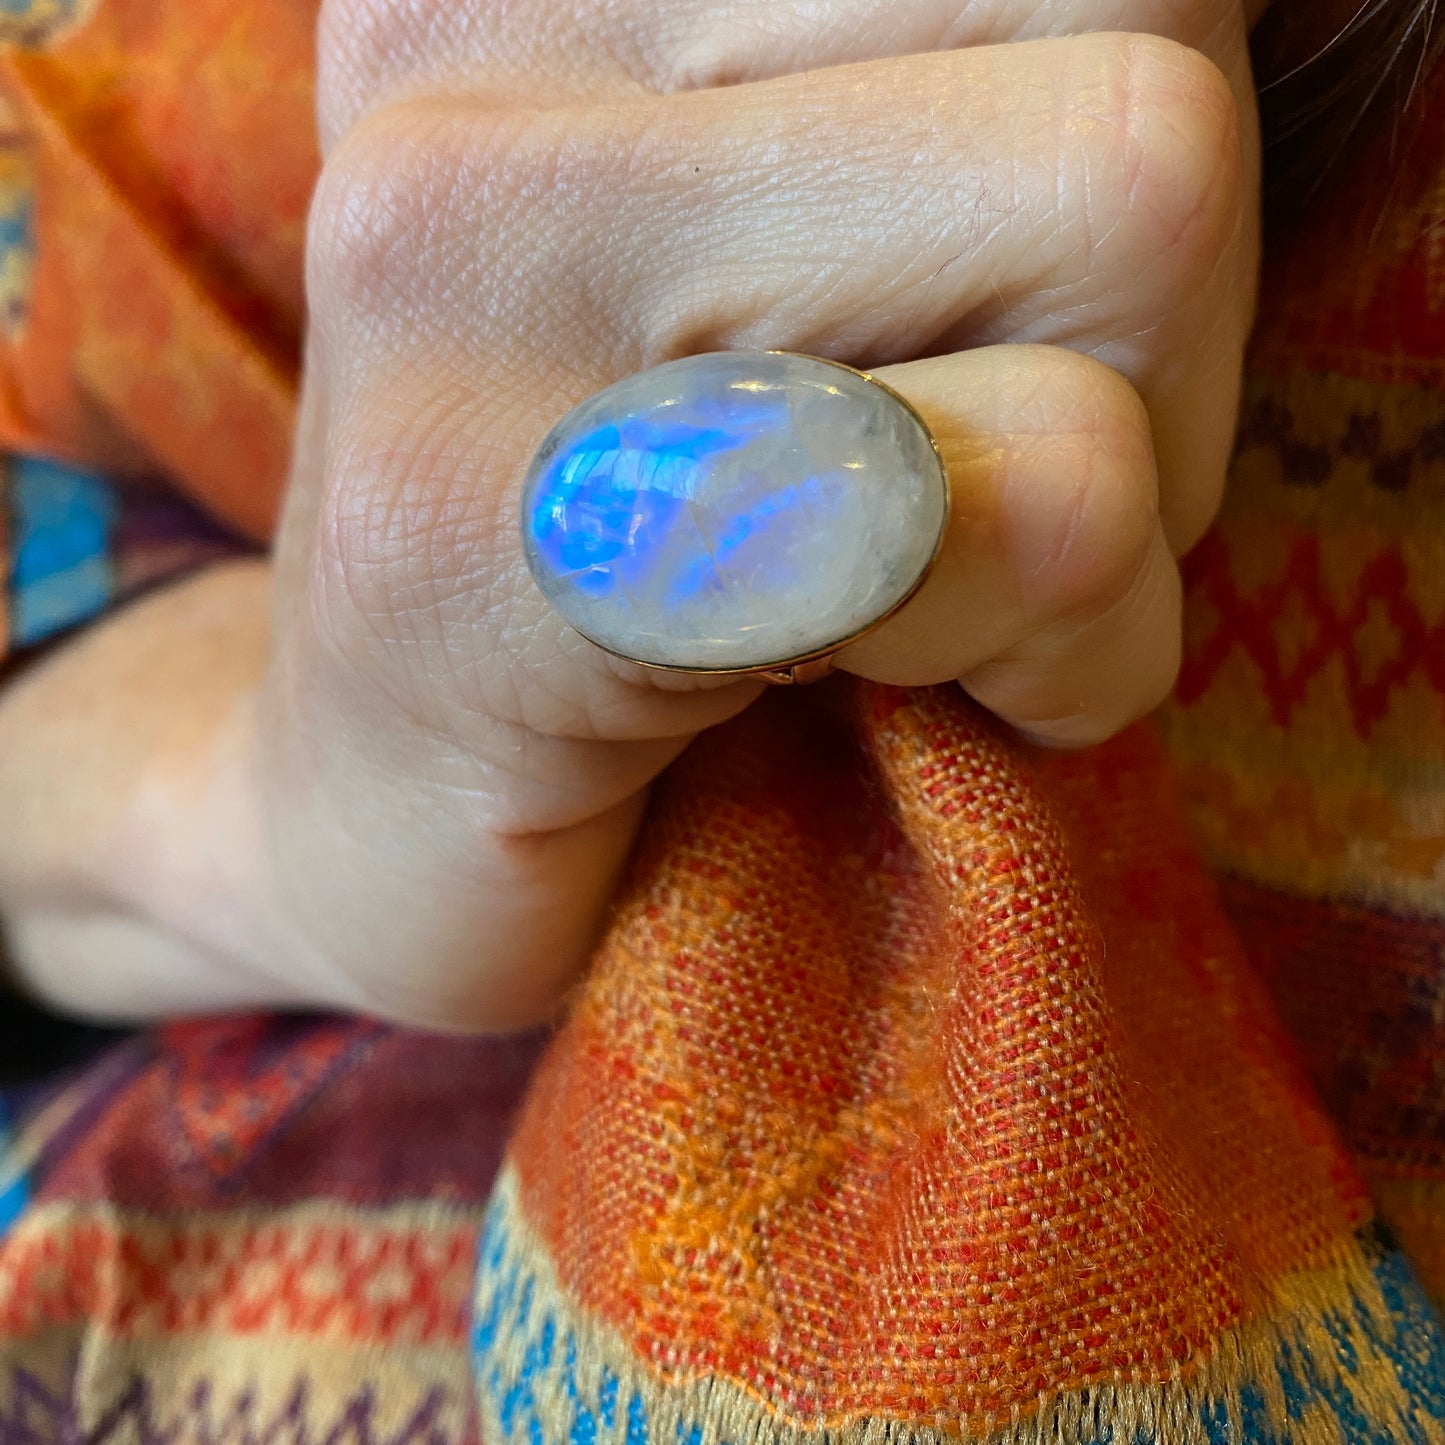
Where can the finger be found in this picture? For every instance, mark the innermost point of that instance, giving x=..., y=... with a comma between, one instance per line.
x=1069, y=686
x=439, y=779
x=1054, y=525
x=378, y=52
x=1061, y=191
x=472, y=764
x=1052, y=595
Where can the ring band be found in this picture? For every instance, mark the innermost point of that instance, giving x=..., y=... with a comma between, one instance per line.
x=742, y=513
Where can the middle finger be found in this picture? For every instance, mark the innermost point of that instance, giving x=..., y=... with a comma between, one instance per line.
x=1084, y=192
x=380, y=51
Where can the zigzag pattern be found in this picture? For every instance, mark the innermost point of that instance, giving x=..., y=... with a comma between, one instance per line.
x=359, y=1282
x=1340, y=1370
x=1289, y=659
x=1309, y=456
x=32, y=1414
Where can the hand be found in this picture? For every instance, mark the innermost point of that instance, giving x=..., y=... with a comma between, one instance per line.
x=1048, y=246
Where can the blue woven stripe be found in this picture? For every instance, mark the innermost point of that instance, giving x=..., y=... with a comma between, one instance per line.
x=517, y=1322
x=61, y=573
x=14, y=1187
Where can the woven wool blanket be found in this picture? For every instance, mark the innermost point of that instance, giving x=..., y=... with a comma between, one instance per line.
x=925, y=1087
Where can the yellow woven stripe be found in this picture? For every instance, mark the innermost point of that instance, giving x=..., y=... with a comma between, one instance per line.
x=1334, y=453
x=537, y=1347
x=205, y=1389
x=393, y=1279
x=1318, y=819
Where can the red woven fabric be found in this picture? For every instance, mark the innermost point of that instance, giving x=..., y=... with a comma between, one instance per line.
x=924, y=1086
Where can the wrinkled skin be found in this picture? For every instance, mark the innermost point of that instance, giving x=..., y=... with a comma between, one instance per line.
x=412, y=792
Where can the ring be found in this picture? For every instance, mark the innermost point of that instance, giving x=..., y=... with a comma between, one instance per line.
x=735, y=512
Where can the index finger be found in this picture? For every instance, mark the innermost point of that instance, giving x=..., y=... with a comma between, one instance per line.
x=378, y=52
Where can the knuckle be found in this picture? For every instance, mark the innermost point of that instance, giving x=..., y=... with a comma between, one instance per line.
x=1183, y=148
x=360, y=568
x=403, y=540
x=1147, y=616
x=1150, y=616
x=374, y=204
x=357, y=27
x=1077, y=685
x=353, y=38
x=460, y=223
x=1109, y=406
x=1162, y=677
x=1106, y=550
x=1107, y=517
x=723, y=51
x=372, y=52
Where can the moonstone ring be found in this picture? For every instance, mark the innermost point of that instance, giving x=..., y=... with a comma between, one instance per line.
x=744, y=512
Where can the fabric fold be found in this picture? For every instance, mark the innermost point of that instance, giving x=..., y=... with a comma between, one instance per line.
x=921, y=1089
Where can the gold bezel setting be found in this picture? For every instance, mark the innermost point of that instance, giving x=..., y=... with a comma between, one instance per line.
x=813, y=665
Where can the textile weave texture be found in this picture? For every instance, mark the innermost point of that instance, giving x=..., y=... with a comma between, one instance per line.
x=925, y=1087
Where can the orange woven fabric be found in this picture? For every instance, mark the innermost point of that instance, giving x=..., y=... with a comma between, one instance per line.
x=158, y=329
x=925, y=1087
x=891, y=1100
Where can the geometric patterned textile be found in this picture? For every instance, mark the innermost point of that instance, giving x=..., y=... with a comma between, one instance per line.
x=80, y=545
x=249, y=1230
x=925, y=1087
x=61, y=570
x=1308, y=734
x=922, y=1089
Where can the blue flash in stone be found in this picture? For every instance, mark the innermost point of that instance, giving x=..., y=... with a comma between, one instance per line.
x=613, y=500
x=733, y=511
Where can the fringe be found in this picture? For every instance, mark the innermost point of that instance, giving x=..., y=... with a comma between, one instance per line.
x=1350, y=1353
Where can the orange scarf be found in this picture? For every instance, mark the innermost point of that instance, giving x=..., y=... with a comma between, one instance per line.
x=923, y=1086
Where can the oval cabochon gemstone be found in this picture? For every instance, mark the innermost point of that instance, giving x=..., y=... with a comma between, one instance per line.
x=734, y=510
